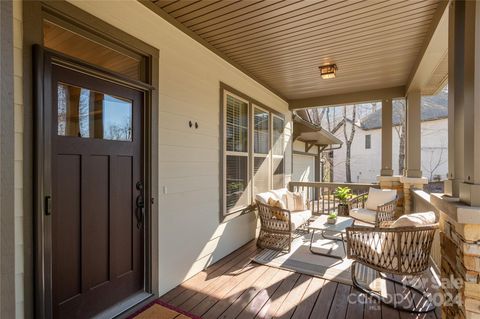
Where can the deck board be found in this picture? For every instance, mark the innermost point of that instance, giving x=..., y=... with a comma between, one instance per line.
x=234, y=287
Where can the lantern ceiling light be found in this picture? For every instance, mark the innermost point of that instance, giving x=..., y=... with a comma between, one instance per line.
x=328, y=71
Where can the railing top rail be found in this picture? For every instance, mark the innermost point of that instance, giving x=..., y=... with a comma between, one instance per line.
x=336, y=184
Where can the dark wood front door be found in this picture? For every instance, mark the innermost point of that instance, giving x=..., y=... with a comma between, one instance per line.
x=97, y=239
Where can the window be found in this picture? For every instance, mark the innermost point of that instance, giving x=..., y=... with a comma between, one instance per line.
x=236, y=155
x=253, y=151
x=368, y=141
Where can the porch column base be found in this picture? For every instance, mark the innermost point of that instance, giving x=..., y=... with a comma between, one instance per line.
x=409, y=184
x=469, y=194
x=413, y=173
x=460, y=255
x=386, y=172
x=451, y=187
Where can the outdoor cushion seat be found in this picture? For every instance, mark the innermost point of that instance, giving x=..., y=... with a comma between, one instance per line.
x=379, y=207
x=279, y=217
x=299, y=218
x=415, y=220
x=363, y=214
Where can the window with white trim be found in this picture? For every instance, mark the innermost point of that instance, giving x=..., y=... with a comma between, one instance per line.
x=253, y=158
x=236, y=153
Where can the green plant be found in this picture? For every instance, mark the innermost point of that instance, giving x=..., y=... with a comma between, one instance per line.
x=332, y=215
x=343, y=194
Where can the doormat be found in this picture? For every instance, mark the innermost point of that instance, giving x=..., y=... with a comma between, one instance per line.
x=161, y=310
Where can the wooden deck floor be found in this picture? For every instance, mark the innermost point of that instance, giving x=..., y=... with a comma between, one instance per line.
x=236, y=288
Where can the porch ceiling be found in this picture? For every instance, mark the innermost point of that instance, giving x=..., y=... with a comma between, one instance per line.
x=281, y=43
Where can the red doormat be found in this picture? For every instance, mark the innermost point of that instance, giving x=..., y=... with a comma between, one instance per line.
x=161, y=310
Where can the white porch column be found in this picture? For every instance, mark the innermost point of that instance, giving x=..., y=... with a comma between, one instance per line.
x=470, y=131
x=456, y=51
x=413, y=145
x=386, y=138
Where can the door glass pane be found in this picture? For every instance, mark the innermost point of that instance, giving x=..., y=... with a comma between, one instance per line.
x=90, y=114
x=236, y=182
x=261, y=133
x=237, y=125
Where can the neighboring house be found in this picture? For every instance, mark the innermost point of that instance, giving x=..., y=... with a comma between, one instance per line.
x=366, y=145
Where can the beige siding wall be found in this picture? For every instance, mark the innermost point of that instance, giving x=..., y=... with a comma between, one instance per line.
x=18, y=99
x=191, y=236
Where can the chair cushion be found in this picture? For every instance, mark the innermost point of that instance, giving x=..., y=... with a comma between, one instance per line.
x=263, y=197
x=299, y=218
x=364, y=214
x=415, y=220
x=378, y=197
x=279, y=193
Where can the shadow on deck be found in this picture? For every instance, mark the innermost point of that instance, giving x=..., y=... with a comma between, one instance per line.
x=234, y=287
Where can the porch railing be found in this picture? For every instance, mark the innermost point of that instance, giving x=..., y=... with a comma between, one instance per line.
x=320, y=194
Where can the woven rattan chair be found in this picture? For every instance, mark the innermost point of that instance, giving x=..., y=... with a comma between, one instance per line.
x=383, y=213
x=277, y=225
x=403, y=251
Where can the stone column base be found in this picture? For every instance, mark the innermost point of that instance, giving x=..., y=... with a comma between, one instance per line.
x=410, y=183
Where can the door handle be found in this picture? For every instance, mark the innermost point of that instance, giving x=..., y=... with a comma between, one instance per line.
x=140, y=205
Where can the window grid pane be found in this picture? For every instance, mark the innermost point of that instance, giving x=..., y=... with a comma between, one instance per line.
x=261, y=137
x=278, y=136
x=278, y=172
x=261, y=171
x=236, y=181
x=237, y=125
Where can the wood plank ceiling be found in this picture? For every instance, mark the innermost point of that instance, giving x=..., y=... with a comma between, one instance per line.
x=374, y=43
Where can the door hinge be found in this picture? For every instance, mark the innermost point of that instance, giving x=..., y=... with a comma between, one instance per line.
x=48, y=205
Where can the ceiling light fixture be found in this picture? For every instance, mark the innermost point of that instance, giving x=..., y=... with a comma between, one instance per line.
x=328, y=71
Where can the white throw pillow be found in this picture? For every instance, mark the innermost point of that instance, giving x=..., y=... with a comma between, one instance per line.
x=299, y=202
x=415, y=220
x=290, y=201
x=378, y=197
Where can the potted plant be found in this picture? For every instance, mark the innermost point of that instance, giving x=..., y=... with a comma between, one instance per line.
x=343, y=194
x=332, y=218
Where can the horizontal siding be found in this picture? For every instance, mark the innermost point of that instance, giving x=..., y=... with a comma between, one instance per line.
x=190, y=235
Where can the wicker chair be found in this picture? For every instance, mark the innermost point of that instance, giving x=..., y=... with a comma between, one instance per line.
x=384, y=212
x=401, y=251
x=277, y=224
x=275, y=228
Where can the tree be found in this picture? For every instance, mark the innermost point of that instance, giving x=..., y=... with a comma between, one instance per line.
x=348, y=140
x=434, y=162
x=401, y=130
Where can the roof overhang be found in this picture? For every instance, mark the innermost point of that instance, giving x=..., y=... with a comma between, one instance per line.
x=430, y=72
x=312, y=134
